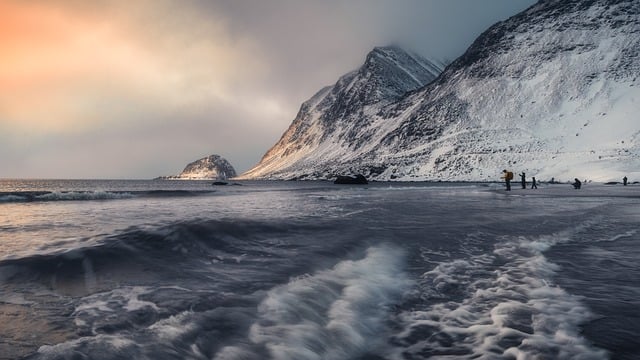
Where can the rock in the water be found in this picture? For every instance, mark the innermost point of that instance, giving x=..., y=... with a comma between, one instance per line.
x=212, y=167
x=358, y=179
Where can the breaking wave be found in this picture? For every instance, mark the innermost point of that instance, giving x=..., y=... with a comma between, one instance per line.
x=336, y=313
x=500, y=305
x=190, y=242
x=38, y=196
x=339, y=313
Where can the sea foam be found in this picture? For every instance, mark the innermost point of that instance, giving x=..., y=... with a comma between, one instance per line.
x=515, y=312
x=338, y=313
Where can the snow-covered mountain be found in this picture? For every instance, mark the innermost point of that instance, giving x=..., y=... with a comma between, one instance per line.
x=553, y=91
x=339, y=117
x=213, y=167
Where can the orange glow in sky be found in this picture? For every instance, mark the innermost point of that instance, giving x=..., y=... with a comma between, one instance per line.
x=59, y=70
x=52, y=61
x=109, y=88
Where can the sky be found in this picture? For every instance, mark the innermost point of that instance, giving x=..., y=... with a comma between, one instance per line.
x=137, y=89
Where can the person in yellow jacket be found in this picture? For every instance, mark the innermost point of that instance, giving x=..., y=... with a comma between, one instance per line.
x=507, y=176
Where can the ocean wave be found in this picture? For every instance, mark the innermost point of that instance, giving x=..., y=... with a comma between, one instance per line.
x=513, y=310
x=37, y=196
x=345, y=304
x=339, y=313
x=198, y=245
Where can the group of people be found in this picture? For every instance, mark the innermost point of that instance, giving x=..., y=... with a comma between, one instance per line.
x=508, y=176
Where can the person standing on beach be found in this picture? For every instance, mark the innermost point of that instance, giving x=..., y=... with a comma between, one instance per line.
x=624, y=181
x=533, y=183
x=508, y=176
x=577, y=184
x=523, y=180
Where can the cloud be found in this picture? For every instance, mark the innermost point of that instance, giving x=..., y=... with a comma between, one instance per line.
x=77, y=68
x=137, y=89
x=70, y=73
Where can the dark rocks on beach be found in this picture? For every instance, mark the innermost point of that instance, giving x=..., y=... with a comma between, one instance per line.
x=223, y=183
x=358, y=179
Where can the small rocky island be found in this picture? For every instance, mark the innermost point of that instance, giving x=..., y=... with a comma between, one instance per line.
x=213, y=167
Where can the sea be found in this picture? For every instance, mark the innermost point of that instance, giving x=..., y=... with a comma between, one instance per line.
x=310, y=270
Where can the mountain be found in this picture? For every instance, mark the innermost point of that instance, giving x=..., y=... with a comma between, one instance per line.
x=213, y=167
x=339, y=117
x=552, y=91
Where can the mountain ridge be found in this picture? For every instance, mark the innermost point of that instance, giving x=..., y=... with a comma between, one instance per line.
x=551, y=91
x=332, y=112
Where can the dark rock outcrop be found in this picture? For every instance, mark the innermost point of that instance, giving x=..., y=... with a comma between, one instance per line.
x=356, y=180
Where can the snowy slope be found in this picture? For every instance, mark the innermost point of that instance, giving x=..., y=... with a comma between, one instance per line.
x=338, y=118
x=213, y=167
x=553, y=91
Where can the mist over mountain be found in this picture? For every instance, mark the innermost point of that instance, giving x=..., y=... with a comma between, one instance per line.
x=552, y=91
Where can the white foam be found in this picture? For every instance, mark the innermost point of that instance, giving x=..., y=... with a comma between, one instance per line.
x=510, y=310
x=108, y=344
x=627, y=234
x=100, y=306
x=83, y=195
x=333, y=314
x=233, y=353
x=125, y=299
x=173, y=327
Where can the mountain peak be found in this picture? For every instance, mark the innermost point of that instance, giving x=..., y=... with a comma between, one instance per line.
x=337, y=113
x=389, y=51
x=550, y=91
x=402, y=56
x=392, y=72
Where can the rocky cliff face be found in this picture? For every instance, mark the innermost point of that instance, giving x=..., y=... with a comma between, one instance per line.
x=553, y=91
x=333, y=120
x=212, y=167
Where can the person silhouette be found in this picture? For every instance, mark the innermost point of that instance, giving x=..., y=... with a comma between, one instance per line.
x=577, y=183
x=523, y=180
x=533, y=183
x=508, y=176
x=624, y=181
